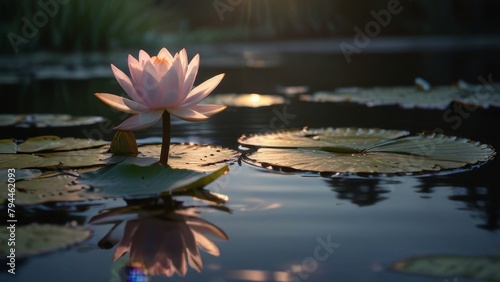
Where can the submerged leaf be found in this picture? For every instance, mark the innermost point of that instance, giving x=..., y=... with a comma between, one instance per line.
x=34, y=239
x=348, y=150
x=472, y=267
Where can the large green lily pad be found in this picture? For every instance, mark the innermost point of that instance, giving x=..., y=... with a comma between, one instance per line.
x=54, y=143
x=19, y=174
x=120, y=180
x=8, y=146
x=59, y=187
x=471, y=267
x=349, y=138
x=128, y=179
x=188, y=156
x=416, y=96
x=371, y=151
x=36, y=238
x=63, y=159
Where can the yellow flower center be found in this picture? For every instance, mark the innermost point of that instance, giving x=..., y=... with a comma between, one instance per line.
x=157, y=60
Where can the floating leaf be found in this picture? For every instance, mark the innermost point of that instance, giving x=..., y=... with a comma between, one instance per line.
x=419, y=96
x=20, y=174
x=54, y=143
x=8, y=146
x=25, y=161
x=71, y=143
x=472, y=267
x=47, y=120
x=245, y=100
x=125, y=179
x=61, y=188
x=185, y=156
x=188, y=156
x=66, y=159
x=40, y=143
x=353, y=138
x=34, y=239
x=7, y=120
x=347, y=150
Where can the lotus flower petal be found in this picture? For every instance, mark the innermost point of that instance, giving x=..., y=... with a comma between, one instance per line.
x=187, y=114
x=120, y=103
x=165, y=54
x=170, y=87
x=207, y=245
x=151, y=86
x=143, y=56
x=184, y=61
x=125, y=243
x=202, y=91
x=140, y=121
x=191, y=73
x=125, y=83
x=159, y=83
x=135, y=69
x=208, y=109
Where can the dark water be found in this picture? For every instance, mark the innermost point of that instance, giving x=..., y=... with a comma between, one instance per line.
x=279, y=220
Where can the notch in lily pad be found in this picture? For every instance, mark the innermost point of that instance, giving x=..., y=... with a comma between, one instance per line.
x=364, y=151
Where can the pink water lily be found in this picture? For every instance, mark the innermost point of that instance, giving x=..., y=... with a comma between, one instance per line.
x=159, y=86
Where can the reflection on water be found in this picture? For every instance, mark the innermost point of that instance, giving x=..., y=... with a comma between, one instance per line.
x=477, y=189
x=161, y=236
x=362, y=191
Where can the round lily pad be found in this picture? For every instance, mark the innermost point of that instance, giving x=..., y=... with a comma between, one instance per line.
x=364, y=151
x=56, y=188
x=470, y=267
x=351, y=138
x=47, y=120
x=245, y=100
x=127, y=179
x=419, y=96
x=19, y=174
x=8, y=146
x=34, y=238
x=183, y=156
x=54, y=143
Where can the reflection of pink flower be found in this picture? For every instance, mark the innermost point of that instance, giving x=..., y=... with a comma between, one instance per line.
x=163, y=246
x=161, y=83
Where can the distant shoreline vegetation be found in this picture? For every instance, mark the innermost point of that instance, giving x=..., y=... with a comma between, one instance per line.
x=92, y=25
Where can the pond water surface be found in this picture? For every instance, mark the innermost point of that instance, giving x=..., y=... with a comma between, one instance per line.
x=301, y=227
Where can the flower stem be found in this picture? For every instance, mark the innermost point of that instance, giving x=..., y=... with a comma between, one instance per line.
x=165, y=142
